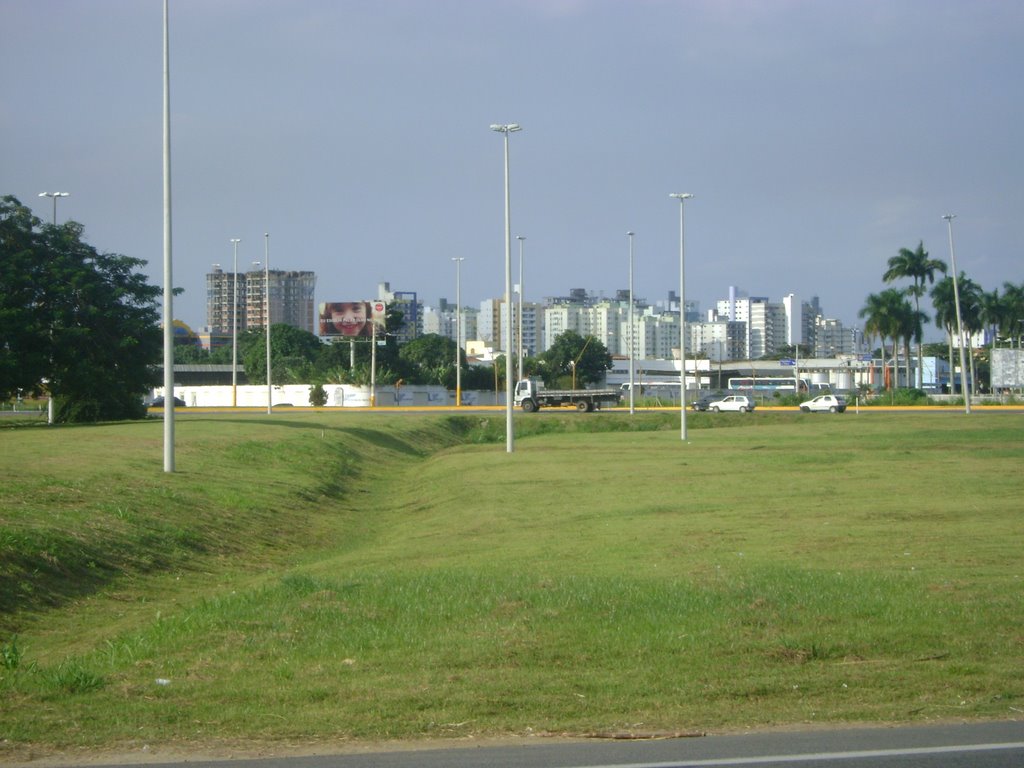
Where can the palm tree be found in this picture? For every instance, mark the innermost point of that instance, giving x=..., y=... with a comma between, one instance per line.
x=1013, y=314
x=992, y=310
x=971, y=314
x=886, y=316
x=921, y=269
x=944, y=302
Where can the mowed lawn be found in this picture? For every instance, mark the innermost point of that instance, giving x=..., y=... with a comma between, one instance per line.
x=326, y=578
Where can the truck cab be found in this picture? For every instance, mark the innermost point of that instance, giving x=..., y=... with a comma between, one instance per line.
x=526, y=389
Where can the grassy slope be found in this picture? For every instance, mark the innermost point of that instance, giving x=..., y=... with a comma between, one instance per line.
x=326, y=577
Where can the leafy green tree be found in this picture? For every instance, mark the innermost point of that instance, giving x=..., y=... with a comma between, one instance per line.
x=920, y=269
x=83, y=322
x=191, y=354
x=293, y=353
x=432, y=358
x=570, y=352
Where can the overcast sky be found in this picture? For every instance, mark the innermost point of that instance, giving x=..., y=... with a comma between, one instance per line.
x=817, y=136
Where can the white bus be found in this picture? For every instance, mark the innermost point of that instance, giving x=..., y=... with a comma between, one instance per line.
x=766, y=384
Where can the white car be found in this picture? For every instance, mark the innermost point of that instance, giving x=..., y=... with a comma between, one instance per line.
x=740, y=403
x=823, y=403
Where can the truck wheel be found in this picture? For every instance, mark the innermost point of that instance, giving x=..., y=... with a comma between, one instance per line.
x=529, y=406
x=582, y=406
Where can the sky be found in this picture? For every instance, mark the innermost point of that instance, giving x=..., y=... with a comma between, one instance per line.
x=818, y=137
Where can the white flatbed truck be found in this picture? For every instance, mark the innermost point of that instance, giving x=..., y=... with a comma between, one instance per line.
x=531, y=397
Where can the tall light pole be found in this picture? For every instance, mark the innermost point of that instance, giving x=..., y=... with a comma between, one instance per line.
x=266, y=298
x=682, y=197
x=234, y=324
x=168, y=302
x=959, y=321
x=54, y=196
x=632, y=399
x=519, y=334
x=458, y=329
x=505, y=130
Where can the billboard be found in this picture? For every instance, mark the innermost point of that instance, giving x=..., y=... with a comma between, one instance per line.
x=352, y=319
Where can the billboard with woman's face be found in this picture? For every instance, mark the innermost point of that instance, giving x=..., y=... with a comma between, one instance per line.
x=352, y=319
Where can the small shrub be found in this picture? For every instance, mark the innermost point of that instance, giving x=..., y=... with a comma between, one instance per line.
x=71, y=677
x=10, y=654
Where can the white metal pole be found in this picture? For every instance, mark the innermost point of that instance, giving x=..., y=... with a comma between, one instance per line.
x=629, y=336
x=682, y=197
x=509, y=395
x=519, y=334
x=373, y=362
x=458, y=330
x=266, y=316
x=168, y=306
x=964, y=389
x=234, y=324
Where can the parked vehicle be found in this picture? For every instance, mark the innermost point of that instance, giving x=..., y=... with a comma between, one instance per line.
x=531, y=397
x=740, y=403
x=830, y=403
x=158, y=402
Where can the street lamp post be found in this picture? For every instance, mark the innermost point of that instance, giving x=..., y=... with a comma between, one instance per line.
x=519, y=334
x=629, y=336
x=266, y=319
x=505, y=130
x=458, y=329
x=234, y=324
x=54, y=196
x=682, y=197
x=959, y=321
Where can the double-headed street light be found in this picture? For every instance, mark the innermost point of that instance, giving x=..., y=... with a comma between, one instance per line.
x=506, y=129
x=54, y=196
x=959, y=321
x=682, y=197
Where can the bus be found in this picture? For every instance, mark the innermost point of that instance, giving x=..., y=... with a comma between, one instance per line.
x=765, y=384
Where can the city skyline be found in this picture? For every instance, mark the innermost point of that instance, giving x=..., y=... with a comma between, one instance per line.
x=817, y=138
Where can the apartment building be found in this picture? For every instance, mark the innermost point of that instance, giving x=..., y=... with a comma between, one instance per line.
x=255, y=298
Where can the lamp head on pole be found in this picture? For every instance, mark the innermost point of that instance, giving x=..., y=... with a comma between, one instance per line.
x=506, y=128
x=680, y=195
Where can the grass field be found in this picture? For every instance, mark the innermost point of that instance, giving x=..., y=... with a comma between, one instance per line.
x=323, y=578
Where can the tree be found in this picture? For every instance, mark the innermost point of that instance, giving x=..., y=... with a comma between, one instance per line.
x=80, y=324
x=432, y=358
x=572, y=356
x=921, y=269
x=944, y=301
x=885, y=315
x=1012, y=321
x=292, y=354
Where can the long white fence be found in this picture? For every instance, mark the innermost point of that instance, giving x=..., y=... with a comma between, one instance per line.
x=338, y=396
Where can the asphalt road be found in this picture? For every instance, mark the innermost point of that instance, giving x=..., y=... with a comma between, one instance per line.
x=976, y=745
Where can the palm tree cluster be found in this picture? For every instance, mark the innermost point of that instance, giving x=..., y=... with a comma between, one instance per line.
x=891, y=316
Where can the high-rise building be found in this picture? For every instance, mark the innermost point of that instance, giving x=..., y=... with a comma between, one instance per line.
x=291, y=299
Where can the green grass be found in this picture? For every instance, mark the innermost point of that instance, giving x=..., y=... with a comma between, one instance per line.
x=339, y=577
